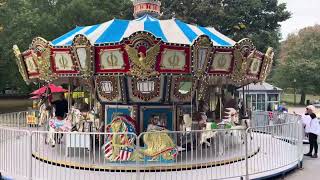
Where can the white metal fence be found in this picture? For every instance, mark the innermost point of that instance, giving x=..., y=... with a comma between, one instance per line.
x=236, y=153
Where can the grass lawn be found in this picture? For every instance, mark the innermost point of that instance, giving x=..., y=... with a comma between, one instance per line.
x=13, y=105
x=289, y=98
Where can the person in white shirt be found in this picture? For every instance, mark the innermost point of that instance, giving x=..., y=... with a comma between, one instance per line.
x=312, y=127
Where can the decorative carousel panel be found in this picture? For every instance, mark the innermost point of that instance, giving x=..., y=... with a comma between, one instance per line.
x=174, y=60
x=111, y=111
x=62, y=62
x=83, y=53
x=222, y=63
x=30, y=61
x=202, y=49
x=145, y=90
x=181, y=88
x=108, y=88
x=267, y=64
x=111, y=60
x=20, y=63
x=164, y=115
x=255, y=65
x=143, y=52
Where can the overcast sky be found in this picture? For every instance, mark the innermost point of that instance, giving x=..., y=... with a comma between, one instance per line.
x=304, y=13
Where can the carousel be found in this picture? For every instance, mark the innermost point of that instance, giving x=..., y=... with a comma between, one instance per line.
x=144, y=75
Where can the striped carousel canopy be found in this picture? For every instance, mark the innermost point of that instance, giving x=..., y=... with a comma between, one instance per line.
x=170, y=31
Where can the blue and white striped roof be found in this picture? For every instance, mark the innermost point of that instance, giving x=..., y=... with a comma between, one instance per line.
x=170, y=31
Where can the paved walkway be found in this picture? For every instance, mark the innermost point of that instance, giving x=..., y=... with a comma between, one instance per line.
x=311, y=167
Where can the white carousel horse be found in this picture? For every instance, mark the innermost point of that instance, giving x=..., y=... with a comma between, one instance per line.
x=207, y=132
x=73, y=118
x=237, y=127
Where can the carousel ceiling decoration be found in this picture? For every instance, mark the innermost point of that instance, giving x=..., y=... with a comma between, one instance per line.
x=244, y=52
x=41, y=54
x=222, y=63
x=21, y=64
x=146, y=89
x=83, y=53
x=108, y=87
x=143, y=56
x=267, y=64
x=145, y=48
x=181, y=89
x=202, y=50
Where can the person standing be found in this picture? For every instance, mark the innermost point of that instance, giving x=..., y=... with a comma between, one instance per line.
x=312, y=127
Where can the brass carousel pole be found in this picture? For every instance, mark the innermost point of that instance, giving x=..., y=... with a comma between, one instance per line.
x=69, y=95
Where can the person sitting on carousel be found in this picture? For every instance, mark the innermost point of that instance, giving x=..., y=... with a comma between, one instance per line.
x=154, y=124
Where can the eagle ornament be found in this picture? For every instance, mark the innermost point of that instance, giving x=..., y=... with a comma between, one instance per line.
x=143, y=63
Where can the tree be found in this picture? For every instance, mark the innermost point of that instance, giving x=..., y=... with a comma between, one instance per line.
x=300, y=60
x=255, y=19
x=23, y=20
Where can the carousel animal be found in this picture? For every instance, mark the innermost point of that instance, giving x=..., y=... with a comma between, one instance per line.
x=237, y=127
x=46, y=111
x=57, y=124
x=120, y=141
x=207, y=132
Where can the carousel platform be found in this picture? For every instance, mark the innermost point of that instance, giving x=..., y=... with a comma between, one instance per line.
x=264, y=161
x=93, y=159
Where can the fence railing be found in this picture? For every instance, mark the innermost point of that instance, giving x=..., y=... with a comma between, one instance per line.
x=215, y=154
x=17, y=119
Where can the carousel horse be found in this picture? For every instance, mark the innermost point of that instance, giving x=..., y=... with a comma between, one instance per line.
x=236, y=126
x=62, y=125
x=46, y=112
x=159, y=146
x=208, y=131
x=120, y=142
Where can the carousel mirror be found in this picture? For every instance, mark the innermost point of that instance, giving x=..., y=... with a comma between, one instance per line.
x=82, y=56
x=185, y=87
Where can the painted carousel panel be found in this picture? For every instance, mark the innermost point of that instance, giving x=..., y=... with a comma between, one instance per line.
x=31, y=65
x=222, y=62
x=108, y=88
x=62, y=61
x=173, y=60
x=112, y=111
x=111, y=59
x=255, y=66
x=145, y=90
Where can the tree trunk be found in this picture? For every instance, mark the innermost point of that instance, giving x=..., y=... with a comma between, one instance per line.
x=303, y=98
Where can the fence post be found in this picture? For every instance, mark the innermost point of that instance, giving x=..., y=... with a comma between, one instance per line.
x=30, y=155
x=137, y=161
x=247, y=154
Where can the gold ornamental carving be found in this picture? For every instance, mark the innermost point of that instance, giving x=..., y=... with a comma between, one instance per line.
x=202, y=54
x=83, y=53
x=21, y=66
x=267, y=64
x=143, y=64
x=44, y=65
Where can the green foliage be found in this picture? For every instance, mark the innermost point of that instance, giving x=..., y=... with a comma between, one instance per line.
x=254, y=19
x=23, y=20
x=300, y=60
